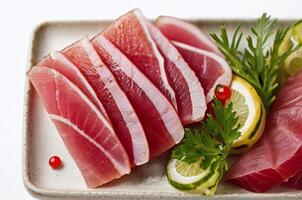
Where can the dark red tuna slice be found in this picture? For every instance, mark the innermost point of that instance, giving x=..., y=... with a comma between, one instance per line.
x=277, y=156
x=121, y=113
x=189, y=94
x=130, y=34
x=185, y=32
x=295, y=182
x=86, y=133
x=210, y=69
x=60, y=63
x=160, y=121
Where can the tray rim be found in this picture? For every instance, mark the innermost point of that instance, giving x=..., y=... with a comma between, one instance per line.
x=36, y=191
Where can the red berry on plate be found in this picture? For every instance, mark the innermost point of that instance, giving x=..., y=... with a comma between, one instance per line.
x=223, y=92
x=55, y=162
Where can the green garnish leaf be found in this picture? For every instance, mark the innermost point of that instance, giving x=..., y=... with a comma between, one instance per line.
x=257, y=64
x=224, y=126
x=210, y=143
x=195, y=145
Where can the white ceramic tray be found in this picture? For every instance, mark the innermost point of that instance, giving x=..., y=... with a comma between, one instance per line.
x=41, y=140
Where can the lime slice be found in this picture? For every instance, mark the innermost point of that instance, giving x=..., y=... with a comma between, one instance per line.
x=248, y=106
x=185, y=176
x=209, y=186
x=293, y=63
x=188, y=170
x=192, y=178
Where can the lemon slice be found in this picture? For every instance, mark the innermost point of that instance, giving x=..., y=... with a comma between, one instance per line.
x=249, y=108
x=192, y=178
x=293, y=63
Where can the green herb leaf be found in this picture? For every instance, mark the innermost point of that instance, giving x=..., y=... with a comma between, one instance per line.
x=259, y=66
x=210, y=143
x=195, y=145
x=224, y=126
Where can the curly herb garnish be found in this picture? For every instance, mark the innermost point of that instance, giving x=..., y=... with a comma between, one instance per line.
x=257, y=64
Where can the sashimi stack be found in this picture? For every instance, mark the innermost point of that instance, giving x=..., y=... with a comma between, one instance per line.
x=122, y=98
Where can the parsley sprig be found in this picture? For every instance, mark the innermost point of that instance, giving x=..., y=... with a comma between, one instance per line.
x=212, y=142
x=259, y=65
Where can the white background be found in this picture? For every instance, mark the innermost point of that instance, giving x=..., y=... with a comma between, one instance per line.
x=17, y=19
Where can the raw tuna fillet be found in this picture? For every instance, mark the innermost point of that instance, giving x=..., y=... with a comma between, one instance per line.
x=295, y=182
x=130, y=34
x=189, y=94
x=160, y=121
x=86, y=133
x=210, y=69
x=60, y=63
x=121, y=113
x=185, y=32
x=278, y=155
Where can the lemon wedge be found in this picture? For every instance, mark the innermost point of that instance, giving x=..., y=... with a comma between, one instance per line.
x=249, y=108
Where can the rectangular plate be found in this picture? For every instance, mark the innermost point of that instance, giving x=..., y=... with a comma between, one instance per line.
x=41, y=140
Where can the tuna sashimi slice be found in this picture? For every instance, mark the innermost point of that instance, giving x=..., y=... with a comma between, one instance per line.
x=160, y=121
x=278, y=155
x=86, y=133
x=130, y=34
x=120, y=111
x=61, y=64
x=210, y=69
x=185, y=32
x=189, y=94
x=295, y=182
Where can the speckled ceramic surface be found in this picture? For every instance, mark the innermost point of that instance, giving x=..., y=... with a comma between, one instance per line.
x=41, y=140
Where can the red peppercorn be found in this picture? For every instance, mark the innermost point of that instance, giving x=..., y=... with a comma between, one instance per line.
x=55, y=162
x=223, y=92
